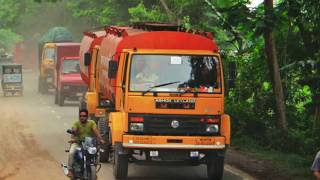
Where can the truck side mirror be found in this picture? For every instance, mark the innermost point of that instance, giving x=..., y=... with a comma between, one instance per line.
x=87, y=59
x=232, y=74
x=112, y=71
x=222, y=54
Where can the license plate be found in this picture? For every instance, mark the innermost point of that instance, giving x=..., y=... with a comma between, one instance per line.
x=79, y=94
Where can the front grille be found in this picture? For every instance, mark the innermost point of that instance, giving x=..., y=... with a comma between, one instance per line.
x=163, y=125
x=78, y=88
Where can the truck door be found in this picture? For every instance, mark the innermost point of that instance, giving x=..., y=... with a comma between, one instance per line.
x=123, y=74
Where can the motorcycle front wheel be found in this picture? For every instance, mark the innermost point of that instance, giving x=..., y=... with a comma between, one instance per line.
x=93, y=172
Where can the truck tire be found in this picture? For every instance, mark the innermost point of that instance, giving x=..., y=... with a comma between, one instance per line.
x=120, y=162
x=215, y=167
x=104, y=132
x=40, y=86
x=56, y=97
x=60, y=99
x=45, y=88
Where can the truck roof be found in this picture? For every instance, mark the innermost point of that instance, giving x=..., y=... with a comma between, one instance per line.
x=156, y=36
x=53, y=44
x=67, y=44
x=143, y=36
x=119, y=38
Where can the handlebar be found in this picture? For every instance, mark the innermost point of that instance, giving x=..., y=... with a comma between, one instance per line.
x=70, y=131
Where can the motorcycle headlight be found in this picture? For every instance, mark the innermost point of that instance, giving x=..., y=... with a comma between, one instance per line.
x=212, y=128
x=92, y=150
x=136, y=127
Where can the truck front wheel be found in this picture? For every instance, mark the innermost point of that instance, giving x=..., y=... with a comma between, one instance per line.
x=43, y=86
x=215, y=166
x=120, y=164
x=60, y=99
x=56, y=97
x=40, y=85
x=104, y=132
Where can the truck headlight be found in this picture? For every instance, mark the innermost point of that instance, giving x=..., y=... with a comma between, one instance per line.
x=212, y=128
x=136, y=127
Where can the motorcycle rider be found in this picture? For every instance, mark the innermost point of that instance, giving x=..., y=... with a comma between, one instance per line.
x=82, y=128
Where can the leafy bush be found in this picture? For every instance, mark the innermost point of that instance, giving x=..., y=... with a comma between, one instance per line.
x=8, y=38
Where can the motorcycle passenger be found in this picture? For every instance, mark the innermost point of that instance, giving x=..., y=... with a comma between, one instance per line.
x=82, y=128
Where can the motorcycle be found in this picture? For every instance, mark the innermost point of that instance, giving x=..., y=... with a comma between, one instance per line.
x=85, y=166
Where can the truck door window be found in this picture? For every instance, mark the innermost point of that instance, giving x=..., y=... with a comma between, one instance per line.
x=49, y=53
x=71, y=66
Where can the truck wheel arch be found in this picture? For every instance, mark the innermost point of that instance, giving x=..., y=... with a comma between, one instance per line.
x=226, y=127
x=117, y=121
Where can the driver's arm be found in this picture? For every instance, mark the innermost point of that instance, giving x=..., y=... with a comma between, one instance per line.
x=316, y=166
x=73, y=137
x=97, y=134
x=317, y=174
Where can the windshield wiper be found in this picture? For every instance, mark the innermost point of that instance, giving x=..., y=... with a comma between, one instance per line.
x=187, y=91
x=159, y=85
x=195, y=93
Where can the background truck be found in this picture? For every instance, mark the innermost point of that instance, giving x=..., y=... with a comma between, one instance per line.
x=52, y=53
x=12, y=82
x=69, y=84
x=161, y=93
x=47, y=55
x=55, y=34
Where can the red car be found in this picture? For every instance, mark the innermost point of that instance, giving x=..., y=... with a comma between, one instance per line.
x=69, y=84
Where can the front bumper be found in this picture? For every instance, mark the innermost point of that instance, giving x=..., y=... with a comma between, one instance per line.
x=13, y=88
x=72, y=94
x=173, y=142
x=73, y=91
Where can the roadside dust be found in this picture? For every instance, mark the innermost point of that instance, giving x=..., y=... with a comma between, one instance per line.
x=20, y=155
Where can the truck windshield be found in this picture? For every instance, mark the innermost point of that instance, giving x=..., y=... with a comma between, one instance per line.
x=191, y=73
x=49, y=53
x=70, y=66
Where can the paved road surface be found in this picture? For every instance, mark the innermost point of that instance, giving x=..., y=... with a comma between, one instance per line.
x=33, y=139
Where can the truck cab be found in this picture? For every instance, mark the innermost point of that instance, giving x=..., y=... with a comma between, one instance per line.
x=172, y=109
x=69, y=84
x=47, y=67
x=51, y=54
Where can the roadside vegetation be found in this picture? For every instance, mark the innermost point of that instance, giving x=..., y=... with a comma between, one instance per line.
x=275, y=105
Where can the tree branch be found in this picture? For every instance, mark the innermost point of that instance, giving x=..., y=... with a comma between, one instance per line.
x=168, y=11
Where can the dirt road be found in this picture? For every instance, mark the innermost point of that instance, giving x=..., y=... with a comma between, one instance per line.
x=33, y=139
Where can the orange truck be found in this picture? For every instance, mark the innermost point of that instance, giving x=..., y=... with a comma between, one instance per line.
x=49, y=62
x=157, y=94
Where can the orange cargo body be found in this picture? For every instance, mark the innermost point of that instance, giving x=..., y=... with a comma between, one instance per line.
x=112, y=45
x=88, y=42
